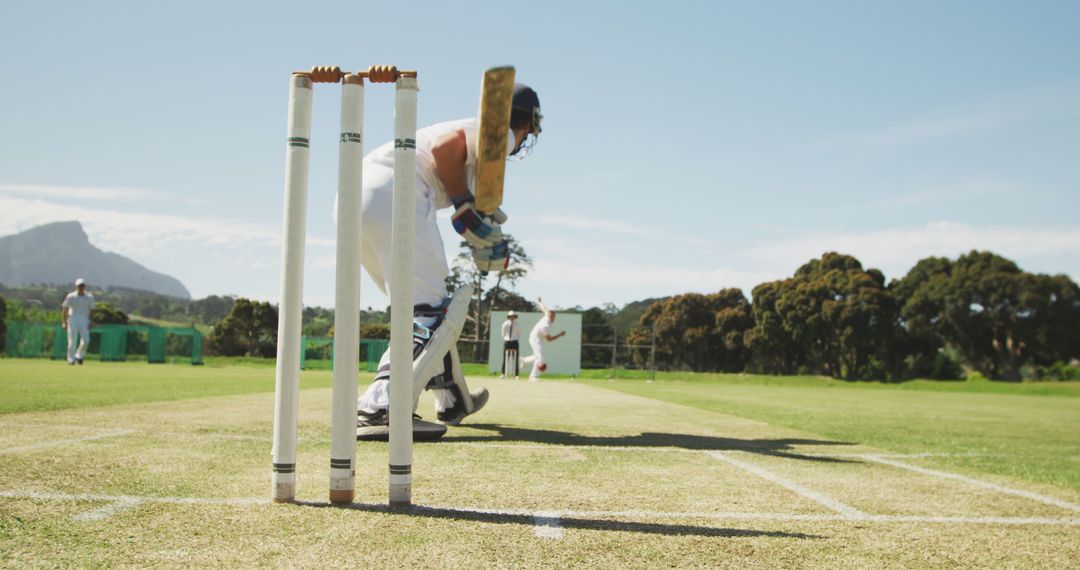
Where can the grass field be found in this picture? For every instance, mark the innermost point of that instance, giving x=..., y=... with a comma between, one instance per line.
x=168, y=465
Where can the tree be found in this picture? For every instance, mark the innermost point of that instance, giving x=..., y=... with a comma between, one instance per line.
x=106, y=314
x=463, y=271
x=919, y=348
x=249, y=329
x=375, y=331
x=698, y=332
x=855, y=316
x=998, y=317
x=1052, y=320
x=512, y=301
x=734, y=318
x=317, y=321
x=771, y=343
x=597, y=336
x=211, y=309
x=831, y=317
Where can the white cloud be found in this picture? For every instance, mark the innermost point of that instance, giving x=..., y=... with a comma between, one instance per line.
x=619, y=282
x=141, y=233
x=649, y=233
x=93, y=193
x=614, y=273
x=594, y=224
x=229, y=255
x=209, y=255
x=895, y=250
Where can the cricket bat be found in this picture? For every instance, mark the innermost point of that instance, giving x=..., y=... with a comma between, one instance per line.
x=496, y=97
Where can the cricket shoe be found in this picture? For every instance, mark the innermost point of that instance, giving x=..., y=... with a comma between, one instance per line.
x=376, y=427
x=454, y=415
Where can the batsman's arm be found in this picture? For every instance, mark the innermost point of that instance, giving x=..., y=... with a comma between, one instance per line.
x=450, y=153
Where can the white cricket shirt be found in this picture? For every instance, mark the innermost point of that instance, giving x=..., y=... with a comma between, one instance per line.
x=79, y=305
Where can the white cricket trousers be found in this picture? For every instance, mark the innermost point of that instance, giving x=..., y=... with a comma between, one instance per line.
x=78, y=333
x=535, y=358
x=429, y=256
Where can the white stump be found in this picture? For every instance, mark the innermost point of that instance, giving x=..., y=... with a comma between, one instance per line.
x=401, y=293
x=347, y=293
x=287, y=375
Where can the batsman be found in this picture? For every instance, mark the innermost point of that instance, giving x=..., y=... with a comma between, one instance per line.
x=460, y=165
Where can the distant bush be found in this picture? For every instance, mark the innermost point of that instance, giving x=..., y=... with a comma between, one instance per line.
x=106, y=314
x=946, y=366
x=1061, y=371
x=250, y=329
x=375, y=331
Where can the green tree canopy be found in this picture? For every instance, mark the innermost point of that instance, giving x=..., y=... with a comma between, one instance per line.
x=106, y=314
x=997, y=316
x=832, y=317
x=698, y=332
x=250, y=329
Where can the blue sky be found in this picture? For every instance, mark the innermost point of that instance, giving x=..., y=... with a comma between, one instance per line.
x=687, y=146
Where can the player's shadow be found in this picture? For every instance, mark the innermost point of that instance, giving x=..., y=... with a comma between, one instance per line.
x=567, y=522
x=783, y=447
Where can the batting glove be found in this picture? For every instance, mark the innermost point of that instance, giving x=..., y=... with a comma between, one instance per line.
x=479, y=231
x=495, y=258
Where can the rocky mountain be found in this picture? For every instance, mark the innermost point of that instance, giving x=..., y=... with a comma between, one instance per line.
x=60, y=252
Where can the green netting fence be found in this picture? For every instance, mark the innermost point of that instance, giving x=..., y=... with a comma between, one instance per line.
x=322, y=349
x=118, y=343
x=111, y=343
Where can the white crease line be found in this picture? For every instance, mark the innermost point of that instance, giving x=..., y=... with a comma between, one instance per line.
x=108, y=510
x=555, y=447
x=216, y=435
x=912, y=455
x=791, y=486
x=34, y=495
x=827, y=518
x=976, y=482
x=563, y=514
x=546, y=524
x=56, y=442
x=550, y=447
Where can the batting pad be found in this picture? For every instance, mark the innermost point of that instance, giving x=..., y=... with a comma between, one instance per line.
x=445, y=338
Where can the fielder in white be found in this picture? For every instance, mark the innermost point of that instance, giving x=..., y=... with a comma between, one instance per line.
x=540, y=334
x=445, y=176
x=75, y=315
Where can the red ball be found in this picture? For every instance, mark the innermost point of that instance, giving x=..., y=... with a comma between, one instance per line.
x=541, y=367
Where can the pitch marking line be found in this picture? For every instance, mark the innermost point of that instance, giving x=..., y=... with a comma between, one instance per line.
x=108, y=510
x=975, y=482
x=643, y=448
x=672, y=449
x=546, y=524
x=819, y=498
x=57, y=442
x=747, y=516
